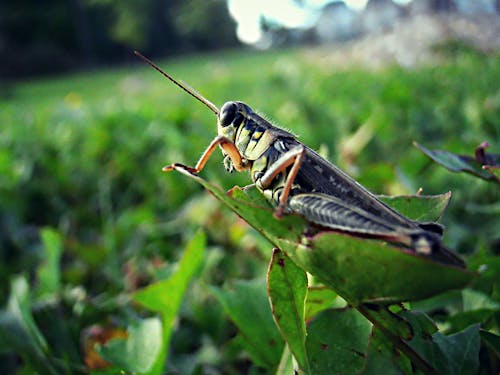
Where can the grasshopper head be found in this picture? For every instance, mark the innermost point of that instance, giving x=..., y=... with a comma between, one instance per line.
x=230, y=118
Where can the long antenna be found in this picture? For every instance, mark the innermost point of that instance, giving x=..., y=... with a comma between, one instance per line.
x=182, y=85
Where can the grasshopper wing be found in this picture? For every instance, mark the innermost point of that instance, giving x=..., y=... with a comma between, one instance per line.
x=330, y=212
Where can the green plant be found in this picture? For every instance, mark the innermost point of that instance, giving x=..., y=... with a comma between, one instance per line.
x=81, y=155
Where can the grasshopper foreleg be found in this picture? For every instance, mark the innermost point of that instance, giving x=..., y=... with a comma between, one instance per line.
x=292, y=158
x=227, y=146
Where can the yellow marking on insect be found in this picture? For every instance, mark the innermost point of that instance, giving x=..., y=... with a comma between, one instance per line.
x=255, y=149
x=256, y=136
x=253, y=141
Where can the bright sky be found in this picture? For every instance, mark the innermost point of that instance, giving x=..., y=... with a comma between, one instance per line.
x=248, y=13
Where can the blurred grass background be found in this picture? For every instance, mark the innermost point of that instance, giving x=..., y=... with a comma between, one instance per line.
x=83, y=153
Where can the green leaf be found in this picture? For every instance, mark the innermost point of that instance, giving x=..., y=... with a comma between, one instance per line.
x=489, y=273
x=494, y=170
x=337, y=342
x=453, y=354
x=139, y=351
x=461, y=351
x=287, y=287
x=285, y=366
x=419, y=207
x=474, y=300
x=359, y=270
x=492, y=341
x=165, y=296
x=451, y=299
x=477, y=308
x=319, y=298
x=363, y=271
x=381, y=316
x=465, y=163
x=383, y=357
x=421, y=323
x=247, y=305
x=423, y=344
x=19, y=332
x=19, y=308
x=49, y=275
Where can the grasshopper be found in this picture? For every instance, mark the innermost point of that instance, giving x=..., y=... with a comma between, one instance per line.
x=296, y=179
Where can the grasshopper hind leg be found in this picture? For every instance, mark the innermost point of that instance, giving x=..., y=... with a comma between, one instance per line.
x=291, y=159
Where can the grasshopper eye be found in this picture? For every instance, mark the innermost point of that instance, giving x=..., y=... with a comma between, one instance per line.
x=228, y=113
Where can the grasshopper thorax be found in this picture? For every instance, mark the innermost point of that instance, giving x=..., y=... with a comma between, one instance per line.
x=230, y=118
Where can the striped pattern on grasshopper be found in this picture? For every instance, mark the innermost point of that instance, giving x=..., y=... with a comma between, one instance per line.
x=295, y=179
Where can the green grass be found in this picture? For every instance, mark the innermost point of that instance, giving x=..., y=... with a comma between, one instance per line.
x=83, y=154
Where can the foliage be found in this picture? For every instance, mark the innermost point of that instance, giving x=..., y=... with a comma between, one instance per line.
x=341, y=264
x=483, y=165
x=59, y=35
x=339, y=261
x=82, y=155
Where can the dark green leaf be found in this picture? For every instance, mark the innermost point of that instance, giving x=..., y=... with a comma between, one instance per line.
x=383, y=357
x=492, y=341
x=495, y=170
x=246, y=303
x=337, y=342
x=453, y=354
x=461, y=320
x=19, y=332
x=422, y=324
x=477, y=308
x=382, y=317
x=287, y=286
x=451, y=299
x=489, y=274
x=462, y=163
x=461, y=351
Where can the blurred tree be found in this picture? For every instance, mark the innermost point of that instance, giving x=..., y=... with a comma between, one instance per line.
x=434, y=5
x=55, y=35
x=35, y=36
x=82, y=32
x=205, y=24
x=442, y=5
x=143, y=24
x=166, y=26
